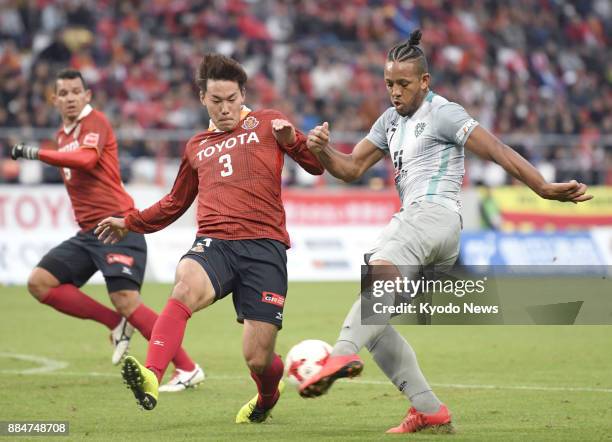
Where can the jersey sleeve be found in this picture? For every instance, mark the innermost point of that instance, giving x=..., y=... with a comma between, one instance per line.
x=85, y=159
x=453, y=124
x=303, y=156
x=170, y=207
x=378, y=132
x=94, y=133
x=299, y=151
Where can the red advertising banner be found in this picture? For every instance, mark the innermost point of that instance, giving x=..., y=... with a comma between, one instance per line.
x=342, y=207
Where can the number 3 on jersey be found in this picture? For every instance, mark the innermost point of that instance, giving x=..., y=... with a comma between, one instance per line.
x=226, y=160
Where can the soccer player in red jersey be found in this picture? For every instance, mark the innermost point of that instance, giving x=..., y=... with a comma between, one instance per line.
x=87, y=156
x=234, y=171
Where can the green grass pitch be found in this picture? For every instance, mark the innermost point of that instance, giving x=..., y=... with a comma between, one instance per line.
x=500, y=382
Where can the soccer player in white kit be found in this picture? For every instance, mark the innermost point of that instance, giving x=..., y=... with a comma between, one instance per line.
x=425, y=135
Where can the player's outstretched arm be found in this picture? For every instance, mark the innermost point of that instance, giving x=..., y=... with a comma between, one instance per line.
x=347, y=167
x=82, y=158
x=111, y=230
x=170, y=207
x=488, y=146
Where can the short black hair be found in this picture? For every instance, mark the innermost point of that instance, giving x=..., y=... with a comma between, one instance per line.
x=219, y=67
x=70, y=74
x=410, y=51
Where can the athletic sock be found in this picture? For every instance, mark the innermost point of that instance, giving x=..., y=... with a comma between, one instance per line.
x=354, y=336
x=398, y=361
x=267, y=383
x=68, y=299
x=143, y=319
x=166, y=336
x=392, y=353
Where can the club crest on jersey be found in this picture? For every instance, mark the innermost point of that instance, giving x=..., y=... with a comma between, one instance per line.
x=250, y=123
x=418, y=130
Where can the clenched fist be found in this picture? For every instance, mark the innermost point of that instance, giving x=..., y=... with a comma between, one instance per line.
x=318, y=138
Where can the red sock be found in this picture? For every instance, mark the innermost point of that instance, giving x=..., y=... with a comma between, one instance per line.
x=143, y=319
x=166, y=336
x=267, y=382
x=68, y=299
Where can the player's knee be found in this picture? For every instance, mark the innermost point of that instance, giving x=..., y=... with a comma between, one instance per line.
x=38, y=286
x=125, y=301
x=184, y=293
x=181, y=291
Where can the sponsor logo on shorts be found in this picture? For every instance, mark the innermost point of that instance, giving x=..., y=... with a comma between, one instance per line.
x=279, y=316
x=198, y=248
x=273, y=298
x=113, y=258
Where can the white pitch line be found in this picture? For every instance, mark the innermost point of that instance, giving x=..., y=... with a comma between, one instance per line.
x=46, y=365
x=93, y=374
x=495, y=387
x=354, y=381
x=524, y=387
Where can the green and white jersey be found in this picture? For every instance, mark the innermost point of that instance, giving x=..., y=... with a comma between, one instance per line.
x=426, y=149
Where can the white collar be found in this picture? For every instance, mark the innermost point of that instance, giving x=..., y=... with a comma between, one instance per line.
x=244, y=111
x=84, y=112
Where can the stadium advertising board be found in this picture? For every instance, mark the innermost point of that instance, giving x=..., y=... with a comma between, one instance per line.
x=34, y=219
x=523, y=249
x=330, y=231
x=340, y=208
x=521, y=209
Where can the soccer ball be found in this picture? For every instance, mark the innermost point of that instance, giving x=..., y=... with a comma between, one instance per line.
x=305, y=360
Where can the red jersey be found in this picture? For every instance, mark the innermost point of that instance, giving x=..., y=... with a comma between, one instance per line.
x=96, y=193
x=236, y=176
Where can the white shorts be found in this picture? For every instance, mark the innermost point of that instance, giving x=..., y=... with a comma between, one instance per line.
x=422, y=234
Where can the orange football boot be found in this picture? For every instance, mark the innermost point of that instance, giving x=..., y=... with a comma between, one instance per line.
x=335, y=367
x=417, y=421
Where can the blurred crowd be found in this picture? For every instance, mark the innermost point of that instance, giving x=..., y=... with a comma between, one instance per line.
x=527, y=67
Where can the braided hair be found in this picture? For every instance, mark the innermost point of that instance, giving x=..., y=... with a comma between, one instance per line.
x=410, y=51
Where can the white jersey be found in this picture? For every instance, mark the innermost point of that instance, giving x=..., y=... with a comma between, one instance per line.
x=426, y=149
